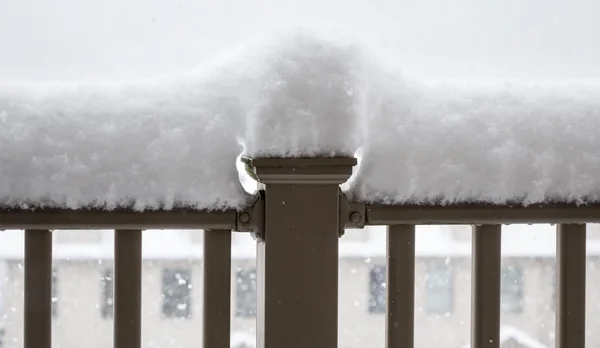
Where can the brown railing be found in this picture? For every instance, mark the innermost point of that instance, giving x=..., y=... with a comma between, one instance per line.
x=298, y=219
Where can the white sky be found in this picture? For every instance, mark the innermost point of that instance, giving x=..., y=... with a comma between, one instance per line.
x=116, y=39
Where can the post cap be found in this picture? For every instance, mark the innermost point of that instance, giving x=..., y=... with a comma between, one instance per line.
x=301, y=170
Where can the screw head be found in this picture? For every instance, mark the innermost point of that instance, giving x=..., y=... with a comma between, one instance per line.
x=244, y=217
x=355, y=217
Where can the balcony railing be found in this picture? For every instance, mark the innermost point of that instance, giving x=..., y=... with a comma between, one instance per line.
x=298, y=219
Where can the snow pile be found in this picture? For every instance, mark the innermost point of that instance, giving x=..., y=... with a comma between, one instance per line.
x=143, y=145
x=173, y=141
x=310, y=98
x=497, y=143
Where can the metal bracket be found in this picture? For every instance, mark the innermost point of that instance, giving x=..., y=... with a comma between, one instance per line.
x=252, y=219
x=352, y=215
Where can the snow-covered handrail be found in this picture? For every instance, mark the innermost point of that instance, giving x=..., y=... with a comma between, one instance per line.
x=173, y=141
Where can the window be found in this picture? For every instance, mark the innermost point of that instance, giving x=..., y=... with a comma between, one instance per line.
x=245, y=294
x=54, y=307
x=106, y=302
x=512, y=289
x=177, y=293
x=377, y=283
x=439, y=286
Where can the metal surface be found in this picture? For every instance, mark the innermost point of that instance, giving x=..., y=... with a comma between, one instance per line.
x=116, y=219
x=252, y=219
x=480, y=214
x=298, y=261
x=298, y=268
x=128, y=289
x=485, y=294
x=374, y=215
x=352, y=215
x=217, y=289
x=319, y=170
x=400, y=310
x=38, y=289
x=570, y=310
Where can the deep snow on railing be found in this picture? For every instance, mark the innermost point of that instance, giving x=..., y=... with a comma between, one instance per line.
x=172, y=142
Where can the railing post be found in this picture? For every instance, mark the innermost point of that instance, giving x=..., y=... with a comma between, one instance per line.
x=570, y=275
x=38, y=289
x=485, y=296
x=298, y=260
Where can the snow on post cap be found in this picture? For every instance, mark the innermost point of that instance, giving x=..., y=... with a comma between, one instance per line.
x=309, y=99
x=498, y=143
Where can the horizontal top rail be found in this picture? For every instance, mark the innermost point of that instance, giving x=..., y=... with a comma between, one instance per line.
x=117, y=219
x=229, y=219
x=481, y=214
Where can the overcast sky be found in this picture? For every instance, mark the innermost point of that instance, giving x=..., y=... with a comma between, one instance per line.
x=116, y=39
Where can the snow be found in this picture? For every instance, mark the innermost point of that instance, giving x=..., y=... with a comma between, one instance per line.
x=518, y=241
x=242, y=340
x=309, y=100
x=146, y=144
x=463, y=142
x=156, y=245
x=525, y=340
x=173, y=141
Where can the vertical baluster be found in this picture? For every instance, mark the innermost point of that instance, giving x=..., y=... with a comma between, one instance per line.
x=570, y=275
x=400, y=287
x=485, y=301
x=128, y=289
x=38, y=289
x=217, y=289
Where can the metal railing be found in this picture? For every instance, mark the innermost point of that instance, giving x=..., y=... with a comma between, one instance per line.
x=298, y=219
